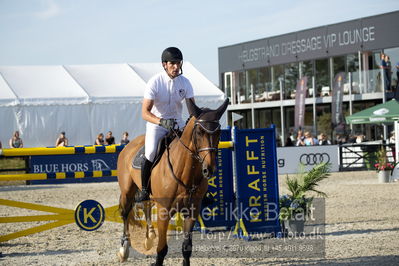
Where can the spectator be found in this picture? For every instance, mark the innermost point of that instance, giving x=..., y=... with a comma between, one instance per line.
x=125, y=139
x=388, y=71
x=288, y=142
x=61, y=141
x=99, y=140
x=0, y=145
x=299, y=139
x=308, y=140
x=109, y=139
x=16, y=141
x=324, y=140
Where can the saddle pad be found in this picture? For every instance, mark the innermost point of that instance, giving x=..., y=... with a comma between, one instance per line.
x=139, y=158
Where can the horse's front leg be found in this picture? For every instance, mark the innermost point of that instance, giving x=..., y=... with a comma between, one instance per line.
x=187, y=246
x=162, y=223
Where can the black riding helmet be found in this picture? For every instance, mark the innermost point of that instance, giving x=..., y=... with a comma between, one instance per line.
x=172, y=54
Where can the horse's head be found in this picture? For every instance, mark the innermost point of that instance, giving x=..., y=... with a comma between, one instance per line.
x=206, y=133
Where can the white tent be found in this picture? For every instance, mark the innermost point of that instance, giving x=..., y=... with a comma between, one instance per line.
x=83, y=100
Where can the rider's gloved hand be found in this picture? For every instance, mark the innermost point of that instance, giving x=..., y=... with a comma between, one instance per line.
x=169, y=124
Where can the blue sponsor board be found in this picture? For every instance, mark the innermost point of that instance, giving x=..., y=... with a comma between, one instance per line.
x=73, y=163
x=257, y=180
x=220, y=187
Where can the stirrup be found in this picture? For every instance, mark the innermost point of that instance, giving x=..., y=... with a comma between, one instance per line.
x=142, y=195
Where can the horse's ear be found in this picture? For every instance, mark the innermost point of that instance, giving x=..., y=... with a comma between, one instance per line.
x=222, y=108
x=193, y=109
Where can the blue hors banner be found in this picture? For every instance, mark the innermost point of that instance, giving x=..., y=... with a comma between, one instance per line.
x=257, y=181
x=220, y=187
x=86, y=163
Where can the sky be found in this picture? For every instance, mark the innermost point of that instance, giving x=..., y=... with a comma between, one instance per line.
x=75, y=32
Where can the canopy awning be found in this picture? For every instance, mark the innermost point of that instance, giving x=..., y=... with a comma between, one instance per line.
x=387, y=112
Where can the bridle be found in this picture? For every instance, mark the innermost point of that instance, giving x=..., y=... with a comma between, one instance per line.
x=196, y=152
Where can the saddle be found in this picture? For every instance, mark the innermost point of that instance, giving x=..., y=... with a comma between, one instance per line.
x=139, y=158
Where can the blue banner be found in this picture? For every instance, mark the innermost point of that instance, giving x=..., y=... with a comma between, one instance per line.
x=220, y=187
x=257, y=180
x=73, y=163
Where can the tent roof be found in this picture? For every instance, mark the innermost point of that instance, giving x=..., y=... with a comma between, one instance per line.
x=43, y=85
x=382, y=113
x=7, y=97
x=104, y=83
x=79, y=84
x=201, y=85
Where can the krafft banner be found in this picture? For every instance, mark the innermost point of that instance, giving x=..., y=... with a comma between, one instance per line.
x=73, y=163
x=300, y=95
x=337, y=98
x=257, y=180
x=220, y=187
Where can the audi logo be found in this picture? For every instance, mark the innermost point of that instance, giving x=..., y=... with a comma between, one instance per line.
x=314, y=158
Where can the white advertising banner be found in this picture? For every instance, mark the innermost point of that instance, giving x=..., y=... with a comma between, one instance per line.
x=289, y=159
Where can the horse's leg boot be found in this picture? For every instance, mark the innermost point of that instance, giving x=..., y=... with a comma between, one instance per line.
x=144, y=194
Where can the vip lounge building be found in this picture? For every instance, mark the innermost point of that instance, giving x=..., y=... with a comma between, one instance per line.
x=271, y=67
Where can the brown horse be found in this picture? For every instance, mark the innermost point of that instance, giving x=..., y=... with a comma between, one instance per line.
x=178, y=182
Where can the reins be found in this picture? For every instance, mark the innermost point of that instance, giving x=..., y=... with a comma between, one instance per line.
x=195, y=154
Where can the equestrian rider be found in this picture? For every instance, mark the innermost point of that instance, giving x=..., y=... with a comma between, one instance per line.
x=162, y=109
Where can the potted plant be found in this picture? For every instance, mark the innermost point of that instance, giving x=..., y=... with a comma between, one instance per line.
x=383, y=167
x=295, y=206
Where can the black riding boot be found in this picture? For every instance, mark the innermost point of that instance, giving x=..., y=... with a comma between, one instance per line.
x=144, y=194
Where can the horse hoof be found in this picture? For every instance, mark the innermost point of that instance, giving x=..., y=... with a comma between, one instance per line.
x=148, y=243
x=152, y=235
x=123, y=253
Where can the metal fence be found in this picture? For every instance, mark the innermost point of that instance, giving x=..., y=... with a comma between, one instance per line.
x=359, y=157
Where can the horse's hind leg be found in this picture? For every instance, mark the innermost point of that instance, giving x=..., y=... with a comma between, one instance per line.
x=150, y=232
x=187, y=241
x=125, y=206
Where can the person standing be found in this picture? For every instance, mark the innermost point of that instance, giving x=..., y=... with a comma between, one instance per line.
x=16, y=141
x=388, y=71
x=61, y=141
x=384, y=68
x=162, y=108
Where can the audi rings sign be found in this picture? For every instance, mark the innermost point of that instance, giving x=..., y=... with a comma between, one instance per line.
x=289, y=158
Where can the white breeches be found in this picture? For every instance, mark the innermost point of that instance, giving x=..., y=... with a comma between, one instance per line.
x=153, y=135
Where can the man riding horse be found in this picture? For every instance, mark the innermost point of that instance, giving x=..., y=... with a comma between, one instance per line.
x=162, y=109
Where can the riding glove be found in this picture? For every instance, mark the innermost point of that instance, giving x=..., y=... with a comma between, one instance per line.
x=169, y=124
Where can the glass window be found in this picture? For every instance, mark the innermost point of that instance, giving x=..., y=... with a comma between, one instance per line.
x=307, y=70
x=322, y=77
x=352, y=66
x=244, y=122
x=264, y=84
x=252, y=83
x=277, y=73
x=242, y=87
x=263, y=118
x=339, y=64
x=290, y=79
x=393, y=54
x=323, y=118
